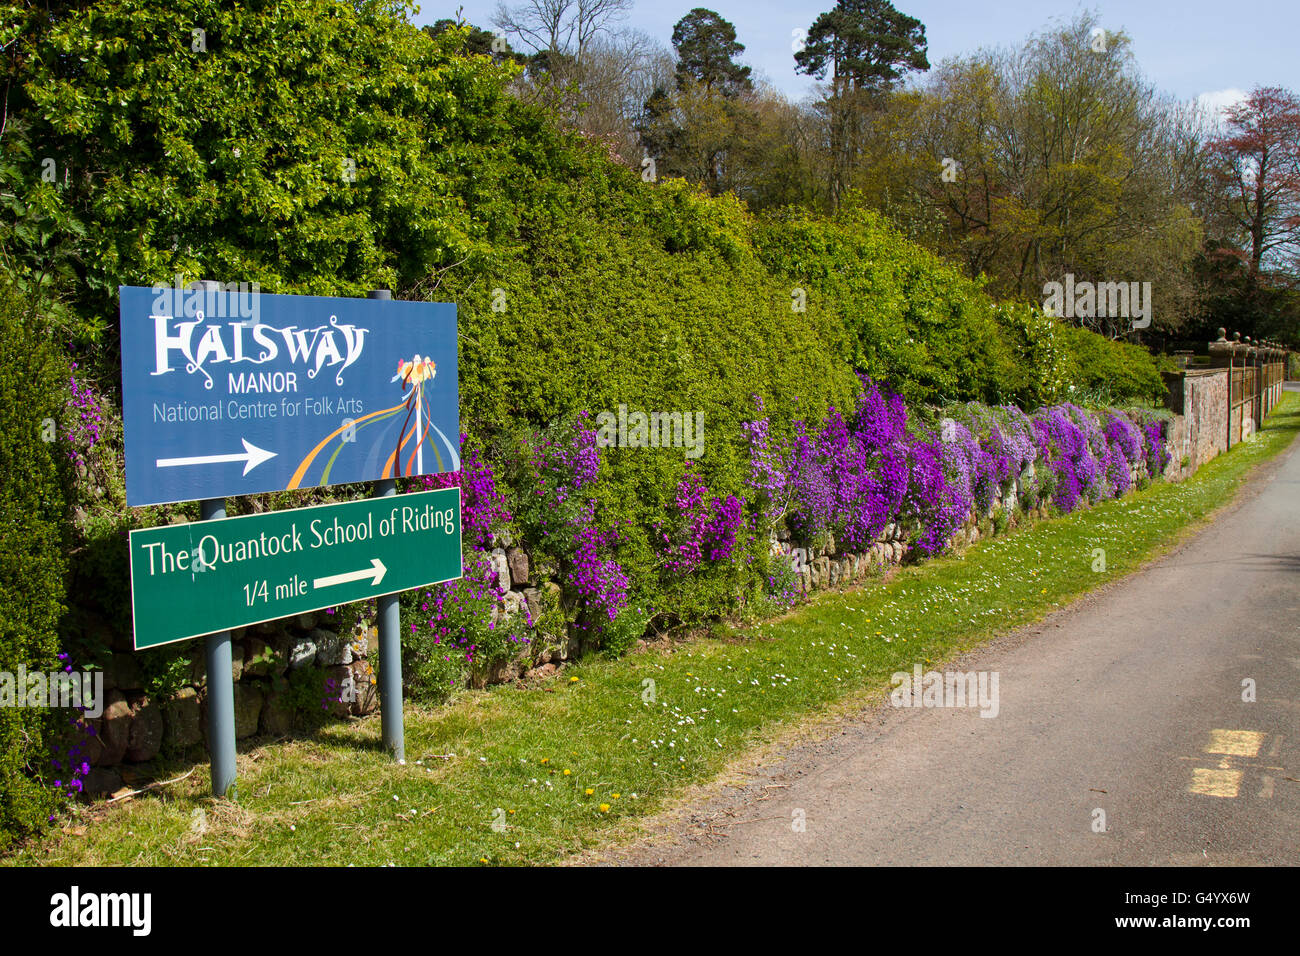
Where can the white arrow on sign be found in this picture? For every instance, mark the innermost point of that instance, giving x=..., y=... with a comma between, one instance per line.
x=376, y=571
x=252, y=456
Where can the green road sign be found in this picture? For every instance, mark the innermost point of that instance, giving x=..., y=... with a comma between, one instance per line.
x=206, y=576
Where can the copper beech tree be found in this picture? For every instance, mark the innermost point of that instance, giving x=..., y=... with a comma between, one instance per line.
x=1257, y=175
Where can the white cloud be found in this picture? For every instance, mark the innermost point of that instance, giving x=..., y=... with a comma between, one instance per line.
x=1219, y=100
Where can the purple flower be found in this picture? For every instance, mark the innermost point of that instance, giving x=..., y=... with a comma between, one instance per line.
x=483, y=506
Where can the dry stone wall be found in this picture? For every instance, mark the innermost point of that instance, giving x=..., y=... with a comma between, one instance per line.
x=267, y=656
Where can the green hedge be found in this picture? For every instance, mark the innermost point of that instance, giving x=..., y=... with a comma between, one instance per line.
x=33, y=379
x=1110, y=372
x=649, y=297
x=915, y=321
x=459, y=189
x=912, y=320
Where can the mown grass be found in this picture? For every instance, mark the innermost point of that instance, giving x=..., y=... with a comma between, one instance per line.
x=532, y=775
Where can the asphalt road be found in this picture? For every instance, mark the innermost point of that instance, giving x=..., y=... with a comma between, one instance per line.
x=1128, y=704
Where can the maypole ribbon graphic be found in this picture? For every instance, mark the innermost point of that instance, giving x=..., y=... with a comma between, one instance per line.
x=417, y=426
x=413, y=375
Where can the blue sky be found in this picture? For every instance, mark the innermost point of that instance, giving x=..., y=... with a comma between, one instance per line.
x=1191, y=49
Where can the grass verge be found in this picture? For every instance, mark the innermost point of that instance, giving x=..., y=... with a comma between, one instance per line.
x=533, y=775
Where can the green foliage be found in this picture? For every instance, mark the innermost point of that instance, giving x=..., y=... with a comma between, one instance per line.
x=1037, y=376
x=304, y=693
x=624, y=631
x=232, y=154
x=37, y=234
x=452, y=630
x=32, y=546
x=1105, y=372
x=167, y=669
x=911, y=319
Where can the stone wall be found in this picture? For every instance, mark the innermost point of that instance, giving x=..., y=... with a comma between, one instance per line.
x=828, y=567
x=525, y=584
x=1256, y=371
x=135, y=728
x=1199, y=400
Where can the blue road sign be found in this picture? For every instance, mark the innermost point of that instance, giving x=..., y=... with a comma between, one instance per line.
x=231, y=392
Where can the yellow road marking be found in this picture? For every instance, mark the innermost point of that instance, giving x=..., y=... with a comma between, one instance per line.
x=1215, y=783
x=1239, y=743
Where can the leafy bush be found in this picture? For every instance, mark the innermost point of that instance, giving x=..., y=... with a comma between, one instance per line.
x=34, y=465
x=1105, y=372
x=625, y=630
x=909, y=318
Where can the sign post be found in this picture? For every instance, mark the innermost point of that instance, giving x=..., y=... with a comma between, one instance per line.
x=221, y=691
x=388, y=627
x=227, y=392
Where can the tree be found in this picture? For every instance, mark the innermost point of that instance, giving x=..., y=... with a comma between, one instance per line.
x=563, y=26
x=706, y=48
x=1250, y=199
x=1257, y=172
x=694, y=131
x=609, y=87
x=866, y=46
x=1048, y=159
x=690, y=134
x=590, y=76
x=478, y=42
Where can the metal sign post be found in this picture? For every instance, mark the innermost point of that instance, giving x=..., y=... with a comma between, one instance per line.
x=221, y=692
x=388, y=627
